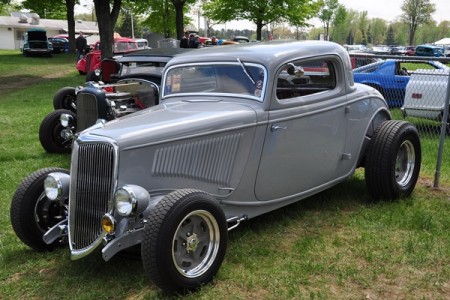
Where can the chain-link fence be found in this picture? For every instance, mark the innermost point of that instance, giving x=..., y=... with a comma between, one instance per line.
x=417, y=89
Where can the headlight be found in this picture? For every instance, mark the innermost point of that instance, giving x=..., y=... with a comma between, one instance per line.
x=131, y=200
x=65, y=120
x=56, y=186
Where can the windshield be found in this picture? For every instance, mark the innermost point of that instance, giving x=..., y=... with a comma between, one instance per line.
x=229, y=79
x=142, y=67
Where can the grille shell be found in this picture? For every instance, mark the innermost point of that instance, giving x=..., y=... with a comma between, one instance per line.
x=87, y=110
x=93, y=181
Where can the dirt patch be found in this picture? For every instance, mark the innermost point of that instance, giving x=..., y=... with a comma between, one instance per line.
x=10, y=84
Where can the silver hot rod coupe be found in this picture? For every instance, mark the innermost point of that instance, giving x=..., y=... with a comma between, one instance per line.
x=239, y=131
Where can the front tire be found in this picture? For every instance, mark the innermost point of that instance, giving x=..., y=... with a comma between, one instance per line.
x=65, y=98
x=51, y=132
x=184, y=241
x=393, y=160
x=32, y=213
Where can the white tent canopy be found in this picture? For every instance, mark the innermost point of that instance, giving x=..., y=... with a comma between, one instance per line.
x=444, y=41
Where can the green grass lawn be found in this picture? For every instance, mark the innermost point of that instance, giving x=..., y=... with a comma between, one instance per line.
x=335, y=245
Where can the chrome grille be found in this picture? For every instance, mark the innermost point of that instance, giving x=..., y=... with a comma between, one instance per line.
x=94, y=186
x=87, y=111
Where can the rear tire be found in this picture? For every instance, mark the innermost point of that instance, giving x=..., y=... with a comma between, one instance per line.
x=32, y=213
x=393, y=160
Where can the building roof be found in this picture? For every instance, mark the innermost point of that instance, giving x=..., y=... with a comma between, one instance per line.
x=25, y=21
x=444, y=41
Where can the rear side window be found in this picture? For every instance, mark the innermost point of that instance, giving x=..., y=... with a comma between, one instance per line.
x=302, y=78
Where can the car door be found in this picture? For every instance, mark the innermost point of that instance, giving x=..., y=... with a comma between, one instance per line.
x=306, y=133
x=398, y=86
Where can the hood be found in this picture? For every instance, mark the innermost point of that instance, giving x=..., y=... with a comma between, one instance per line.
x=178, y=120
x=37, y=36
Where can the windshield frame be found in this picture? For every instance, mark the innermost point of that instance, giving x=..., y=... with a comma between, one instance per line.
x=260, y=98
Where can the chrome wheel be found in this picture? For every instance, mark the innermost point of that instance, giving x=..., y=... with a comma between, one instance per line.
x=196, y=243
x=405, y=163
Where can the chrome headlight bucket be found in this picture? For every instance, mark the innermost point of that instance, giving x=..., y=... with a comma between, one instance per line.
x=56, y=186
x=66, y=120
x=131, y=200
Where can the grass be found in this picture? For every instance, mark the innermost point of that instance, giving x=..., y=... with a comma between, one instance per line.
x=335, y=245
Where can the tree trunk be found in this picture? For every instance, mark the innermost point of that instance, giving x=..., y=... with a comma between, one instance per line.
x=106, y=19
x=179, y=25
x=70, y=5
x=259, y=26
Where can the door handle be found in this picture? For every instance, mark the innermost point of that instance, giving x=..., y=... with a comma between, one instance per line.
x=277, y=127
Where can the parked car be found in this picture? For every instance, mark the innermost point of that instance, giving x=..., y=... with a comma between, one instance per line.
x=398, y=50
x=429, y=50
x=446, y=50
x=425, y=95
x=91, y=60
x=356, y=48
x=35, y=43
x=60, y=45
x=391, y=76
x=134, y=85
x=145, y=64
x=380, y=50
x=240, y=39
x=142, y=43
x=239, y=132
x=410, y=50
x=359, y=60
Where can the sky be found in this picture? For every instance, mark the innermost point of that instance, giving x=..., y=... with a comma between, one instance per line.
x=390, y=9
x=384, y=9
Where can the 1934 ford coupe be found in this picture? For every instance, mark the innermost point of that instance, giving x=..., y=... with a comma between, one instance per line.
x=239, y=131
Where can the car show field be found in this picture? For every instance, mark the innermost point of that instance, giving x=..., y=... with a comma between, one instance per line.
x=338, y=243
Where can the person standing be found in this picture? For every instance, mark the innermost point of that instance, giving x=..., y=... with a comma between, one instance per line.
x=81, y=44
x=184, y=43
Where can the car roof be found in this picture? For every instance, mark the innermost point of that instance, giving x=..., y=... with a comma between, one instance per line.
x=429, y=46
x=153, y=54
x=265, y=53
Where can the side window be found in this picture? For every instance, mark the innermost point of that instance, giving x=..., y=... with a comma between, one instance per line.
x=302, y=78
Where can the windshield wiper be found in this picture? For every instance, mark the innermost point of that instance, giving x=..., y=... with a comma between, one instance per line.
x=246, y=71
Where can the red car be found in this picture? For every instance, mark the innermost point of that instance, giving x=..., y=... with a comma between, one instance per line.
x=91, y=60
x=411, y=50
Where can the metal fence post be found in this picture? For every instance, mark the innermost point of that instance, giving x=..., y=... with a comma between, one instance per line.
x=444, y=124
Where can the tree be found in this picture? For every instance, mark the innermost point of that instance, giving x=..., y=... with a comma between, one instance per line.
x=415, y=14
x=262, y=13
x=6, y=7
x=179, y=6
x=363, y=24
x=339, y=25
x=107, y=17
x=47, y=9
x=390, y=38
x=159, y=16
x=327, y=13
x=378, y=29
x=70, y=9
